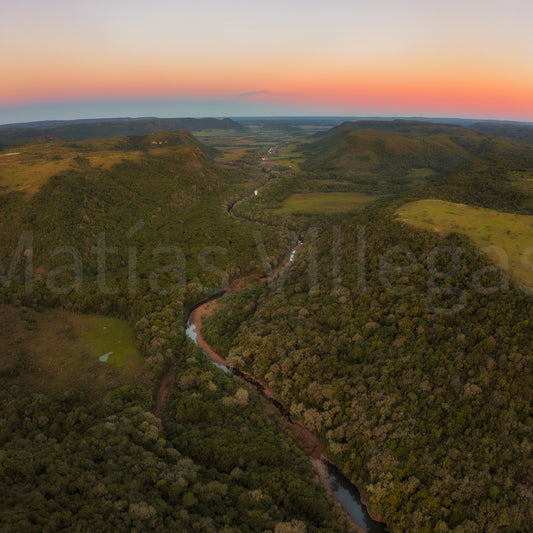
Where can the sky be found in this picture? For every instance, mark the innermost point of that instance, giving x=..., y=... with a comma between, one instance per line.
x=66, y=59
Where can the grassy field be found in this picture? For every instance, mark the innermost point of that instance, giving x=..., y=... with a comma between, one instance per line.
x=287, y=155
x=231, y=145
x=420, y=173
x=235, y=145
x=54, y=351
x=112, y=341
x=512, y=233
x=325, y=202
x=27, y=167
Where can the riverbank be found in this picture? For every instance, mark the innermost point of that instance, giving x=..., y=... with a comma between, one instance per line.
x=337, y=484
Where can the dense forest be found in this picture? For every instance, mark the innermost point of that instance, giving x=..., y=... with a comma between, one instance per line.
x=407, y=352
x=112, y=466
x=423, y=396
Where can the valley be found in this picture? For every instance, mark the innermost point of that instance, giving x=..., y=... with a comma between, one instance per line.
x=372, y=347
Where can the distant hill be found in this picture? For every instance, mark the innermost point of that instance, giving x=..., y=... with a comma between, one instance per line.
x=331, y=121
x=79, y=130
x=518, y=132
x=403, y=126
x=160, y=139
x=398, y=147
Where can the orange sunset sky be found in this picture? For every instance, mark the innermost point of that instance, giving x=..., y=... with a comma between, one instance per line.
x=70, y=59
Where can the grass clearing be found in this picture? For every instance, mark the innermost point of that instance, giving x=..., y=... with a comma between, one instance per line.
x=54, y=351
x=102, y=336
x=486, y=227
x=232, y=145
x=232, y=154
x=420, y=173
x=31, y=165
x=325, y=202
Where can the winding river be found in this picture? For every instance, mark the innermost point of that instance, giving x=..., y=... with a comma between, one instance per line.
x=343, y=490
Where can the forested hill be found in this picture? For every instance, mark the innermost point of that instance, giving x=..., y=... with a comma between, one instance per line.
x=167, y=180
x=77, y=130
x=397, y=125
x=398, y=146
x=519, y=132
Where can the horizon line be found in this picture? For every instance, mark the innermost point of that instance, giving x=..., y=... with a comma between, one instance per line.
x=236, y=118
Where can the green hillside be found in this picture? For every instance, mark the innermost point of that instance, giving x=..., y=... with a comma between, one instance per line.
x=166, y=182
x=27, y=167
x=511, y=234
x=519, y=132
x=392, y=156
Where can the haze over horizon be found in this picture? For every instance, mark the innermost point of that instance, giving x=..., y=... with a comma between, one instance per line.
x=72, y=60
